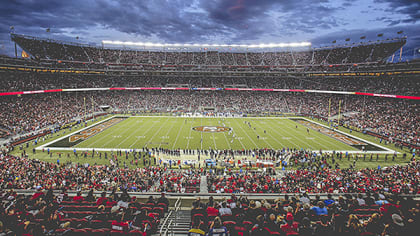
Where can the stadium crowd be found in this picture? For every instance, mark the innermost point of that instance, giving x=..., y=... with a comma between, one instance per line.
x=356, y=53
x=46, y=213
x=395, y=119
x=377, y=209
x=19, y=81
x=300, y=214
x=320, y=179
x=23, y=173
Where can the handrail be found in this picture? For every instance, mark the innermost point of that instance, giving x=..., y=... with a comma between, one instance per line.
x=170, y=225
x=164, y=222
x=162, y=227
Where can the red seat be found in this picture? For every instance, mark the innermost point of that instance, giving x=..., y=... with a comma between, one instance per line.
x=226, y=218
x=148, y=209
x=367, y=234
x=61, y=231
x=229, y=225
x=163, y=205
x=198, y=215
x=248, y=225
x=150, y=204
x=154, y=215
x=275, y=233
x=137, y=233
x=159, y=210
x=80, y=231
x=119, y=226
x=98, y=224
x=117, y=232
x=99, y=232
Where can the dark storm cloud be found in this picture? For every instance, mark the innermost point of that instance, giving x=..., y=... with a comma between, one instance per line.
x=410, y=8
x=171, y=20
x=195, y=21
x=248, y=17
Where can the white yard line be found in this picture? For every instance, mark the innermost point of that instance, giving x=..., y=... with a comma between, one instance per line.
x=153, y=125
x=189, y=137
x=276, y=140
x=70, y=134
x=255, y=132
x=177, y=136
x=326, y=140
x=247, y=135
x=388, y=151
x=227, y=141
x=303, y=140
x=106, y=136
x=155, y=133
x=214, y=141
x=166, y=135
x=132, y=133
x=289, y=140
x=201, y=141
x=355, y=137
x=243, y=146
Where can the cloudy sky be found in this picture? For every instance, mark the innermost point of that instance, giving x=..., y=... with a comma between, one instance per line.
x=211, y=21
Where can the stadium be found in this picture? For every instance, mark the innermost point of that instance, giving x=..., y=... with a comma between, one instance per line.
x=169, y=138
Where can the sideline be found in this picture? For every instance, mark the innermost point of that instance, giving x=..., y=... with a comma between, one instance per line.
x=387, y=150
x=43, y=146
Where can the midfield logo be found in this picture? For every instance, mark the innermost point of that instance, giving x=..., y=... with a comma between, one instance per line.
x=211, y=129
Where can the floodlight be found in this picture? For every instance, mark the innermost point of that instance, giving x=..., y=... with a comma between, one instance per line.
x=261, y=45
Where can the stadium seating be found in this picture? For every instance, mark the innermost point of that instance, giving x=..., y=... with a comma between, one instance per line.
x=55, y=50
x=304, y=218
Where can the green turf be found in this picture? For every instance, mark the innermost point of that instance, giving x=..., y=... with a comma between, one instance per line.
x=174, y=133
x=82, y=160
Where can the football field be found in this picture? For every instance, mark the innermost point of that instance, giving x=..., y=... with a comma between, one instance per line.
x=203, y=133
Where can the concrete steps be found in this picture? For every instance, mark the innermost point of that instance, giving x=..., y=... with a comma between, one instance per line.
x=181, y=223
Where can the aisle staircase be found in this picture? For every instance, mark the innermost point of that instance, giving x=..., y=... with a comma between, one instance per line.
x=177, y=222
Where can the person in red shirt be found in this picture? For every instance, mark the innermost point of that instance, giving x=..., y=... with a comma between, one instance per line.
x=291, y=227
x=102, y=200
x=211, y=211
x=37, y=194
x=78, y=197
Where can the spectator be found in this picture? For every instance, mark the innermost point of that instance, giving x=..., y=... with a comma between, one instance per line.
x=239, y=229
x=305, y=228
x=291, y=227
x=78, y=197
x=272, y=224
x=224, y=210
x=320, y=209
x=102, y=200
x=396, y=227
x=163, y=199
x=196, y=231
x=259, y=228
x=217, y=229
x=354, y=227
